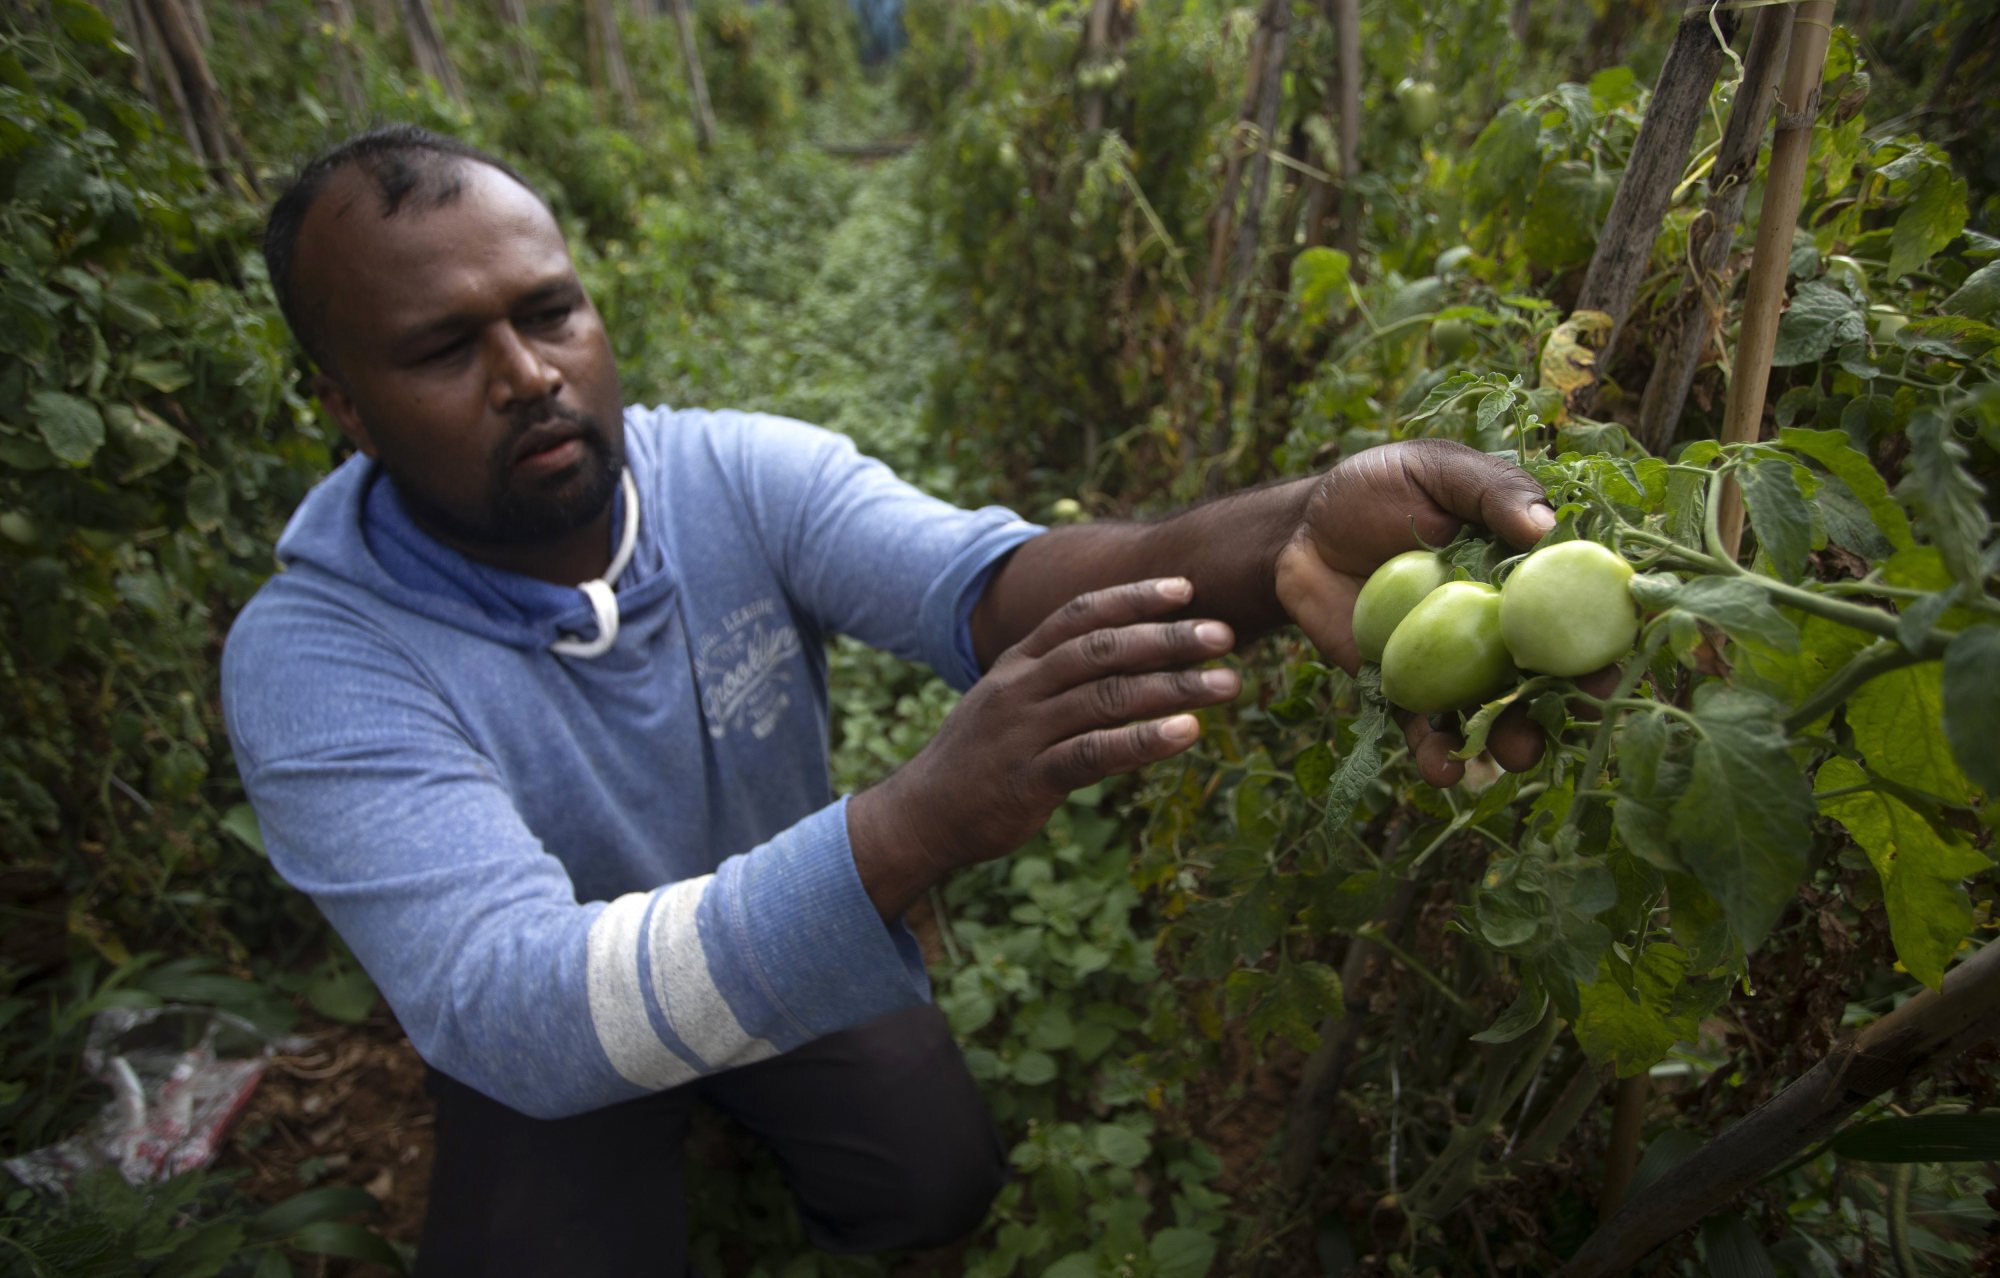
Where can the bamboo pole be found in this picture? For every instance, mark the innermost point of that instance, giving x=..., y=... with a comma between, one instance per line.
x=1659, y=157
x=1784, y=187
x=1685, y=327
x=514, y=16
x=609, y=45
x=427, y=47
x=1096, y=44
x=704, y=115
x=1932, y=1027
x=222, y=149
x=340, y=16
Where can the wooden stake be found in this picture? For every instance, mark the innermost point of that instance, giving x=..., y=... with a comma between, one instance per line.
x=208, y=113
x=1684, y=330
x=1933, y=1027
x=427, y=47
x=1659, y=157
x=1784, y=187
x=704, y=117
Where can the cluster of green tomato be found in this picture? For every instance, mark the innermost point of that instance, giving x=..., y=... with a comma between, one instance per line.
x=1445, y=645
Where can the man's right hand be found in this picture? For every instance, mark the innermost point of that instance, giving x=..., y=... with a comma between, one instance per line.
x=1098, y=689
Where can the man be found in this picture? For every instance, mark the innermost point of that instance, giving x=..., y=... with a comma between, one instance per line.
x=537, y=715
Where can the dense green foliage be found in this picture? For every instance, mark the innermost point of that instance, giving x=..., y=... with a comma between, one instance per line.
x=1779, y=825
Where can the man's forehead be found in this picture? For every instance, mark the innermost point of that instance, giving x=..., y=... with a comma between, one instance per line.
x=347, y=247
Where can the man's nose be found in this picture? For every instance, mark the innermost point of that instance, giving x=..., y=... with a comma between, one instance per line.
x=520, y=372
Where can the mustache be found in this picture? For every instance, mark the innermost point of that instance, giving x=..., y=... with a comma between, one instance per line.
x=522, y=418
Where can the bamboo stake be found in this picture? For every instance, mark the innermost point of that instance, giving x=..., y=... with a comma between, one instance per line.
x=1933, y=1027
x=1096, y=44
x=427, y=47
x=1347, y=51
x=1621, y=1157
x=209, y=114
x=1659, y=156
x=704, y=116
x=340, y=16
x=609, y=46
x=1784, y=187
x=1683, y=330
x=514, y=16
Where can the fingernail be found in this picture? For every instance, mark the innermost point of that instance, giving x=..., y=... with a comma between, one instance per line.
x=1182, y=727
x=1176, y=588
x=1212, y=634
x=1219, y=680
x=1542, y=516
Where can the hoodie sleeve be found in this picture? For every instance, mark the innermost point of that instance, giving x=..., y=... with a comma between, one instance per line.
x=864, y=553
x=373, y=800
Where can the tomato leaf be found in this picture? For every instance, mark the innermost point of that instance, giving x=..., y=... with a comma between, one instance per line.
x=1779, y=516
x=1521, y=1016
x=1744, y=823
x=1363, y=760
x=1634, y=1027
x=1922, y=872
x=1820, y=318
x=1972, y=704
x=1979, y=297
x=1735, y=604
x=1833, y=450
x=1650, y=782
x=1894, y=718
x=1932, y=219
x=1947, y=498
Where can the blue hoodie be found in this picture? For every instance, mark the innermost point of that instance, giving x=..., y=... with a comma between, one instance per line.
x=578, y=879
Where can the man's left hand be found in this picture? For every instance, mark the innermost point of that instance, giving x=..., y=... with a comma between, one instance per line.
x=1378, y=504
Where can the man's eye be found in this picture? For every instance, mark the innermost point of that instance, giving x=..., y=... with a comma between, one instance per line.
x=550, y=317
x=449, y=351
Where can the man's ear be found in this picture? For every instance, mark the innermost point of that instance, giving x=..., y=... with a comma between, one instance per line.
x=338, y=402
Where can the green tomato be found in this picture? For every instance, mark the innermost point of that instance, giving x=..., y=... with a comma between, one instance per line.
x=1845, y=272
x=1887, y=322
x=1418, y=101
x=1567, y=609
x=1389, y=594
x=1448, y=653
x=1452, y=337
x=19, y=527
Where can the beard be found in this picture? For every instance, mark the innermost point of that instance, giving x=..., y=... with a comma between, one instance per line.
x=519, y=511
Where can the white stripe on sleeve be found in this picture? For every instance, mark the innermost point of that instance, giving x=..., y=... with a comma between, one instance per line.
x=694, y=1006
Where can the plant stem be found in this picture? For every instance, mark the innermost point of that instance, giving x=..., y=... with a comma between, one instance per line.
x=1404, y=957
x=1600, y=747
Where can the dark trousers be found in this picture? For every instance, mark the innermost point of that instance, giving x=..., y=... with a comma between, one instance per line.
x=879, y=1131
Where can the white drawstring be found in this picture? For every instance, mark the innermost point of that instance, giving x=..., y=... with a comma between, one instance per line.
x=598, y=591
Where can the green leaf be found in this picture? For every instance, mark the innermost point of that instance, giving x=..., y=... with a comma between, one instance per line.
x=1949, y=337
x=1635, y=1033
x=1319, y=277
x=342, y=992
x=1735, y=604
x=327, y=1203
x=1745, y=822
x=1972, y=705
x=240, y=822
x=349, y=1242
x=1948, y=499
x=1313, y=769
x=163, y=375
x=1651, y=778
x=1363, y=760
x=1923, y=1138
x=72, y=427
x=1181, y=1253
x=1820, y=318
x=1033, y=1068
x=1922, y=873
x=1734, y=1249
x=204, y=1253
x=147, y=440
x=1522, y=1015
x=1779, y=515
x=1120, y=1145
x=1833, y=450
x=207, y=502
x=1979, y=297
x=1895, y=718
x=1931, y=220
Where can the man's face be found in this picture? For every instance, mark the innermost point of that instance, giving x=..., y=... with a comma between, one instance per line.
x=465, y=358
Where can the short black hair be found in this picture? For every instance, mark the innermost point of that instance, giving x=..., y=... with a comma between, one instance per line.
x=408, y=165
